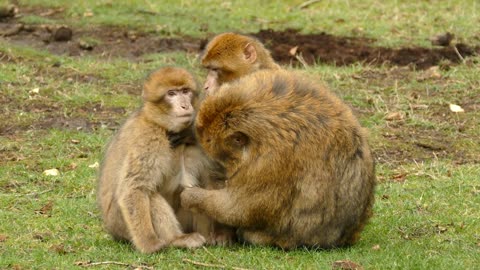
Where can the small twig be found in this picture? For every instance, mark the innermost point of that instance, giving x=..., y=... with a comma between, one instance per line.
x=239, y=268
x=213, y=265
x=300, y=59
x=89, y=264
x=149, y=12
x=34, y=193
x=458, y=53
x=51, y=12
x=203, y=264
x=211, y=254
x=307, y=3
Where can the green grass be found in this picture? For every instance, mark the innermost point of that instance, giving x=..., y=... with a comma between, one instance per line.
x=391, y=22
x=426, y=210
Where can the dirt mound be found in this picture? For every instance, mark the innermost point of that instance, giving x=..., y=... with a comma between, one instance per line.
x=325, y=48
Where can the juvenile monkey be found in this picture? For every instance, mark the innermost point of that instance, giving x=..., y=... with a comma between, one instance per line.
x=299, y=168
x=229, y=56
x=150, y=158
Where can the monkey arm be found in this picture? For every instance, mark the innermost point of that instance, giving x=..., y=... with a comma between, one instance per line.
x=222, y=205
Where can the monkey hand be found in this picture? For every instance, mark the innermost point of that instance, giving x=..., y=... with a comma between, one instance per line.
x=222, y=237
x=190, y=198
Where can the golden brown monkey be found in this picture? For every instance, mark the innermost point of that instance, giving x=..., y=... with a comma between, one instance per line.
x=229, y=56
x=148, y=161
x=299, y=167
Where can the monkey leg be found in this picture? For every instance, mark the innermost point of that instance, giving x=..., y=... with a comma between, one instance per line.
x=168, y=228
x=114, y=223
x=222, y=235
x=214, y=232
x=256, y=237
x=136, y=210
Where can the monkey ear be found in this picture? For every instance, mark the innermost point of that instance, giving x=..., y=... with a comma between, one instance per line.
x=149, y=96
x=250, y=53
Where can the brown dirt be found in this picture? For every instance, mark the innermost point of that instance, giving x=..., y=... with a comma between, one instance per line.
x=314, y=48
x=325, y=48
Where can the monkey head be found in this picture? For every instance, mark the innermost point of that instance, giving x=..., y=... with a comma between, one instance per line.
x=229, y=56
x=221, y=132
x=170, y=96
x=229, y=146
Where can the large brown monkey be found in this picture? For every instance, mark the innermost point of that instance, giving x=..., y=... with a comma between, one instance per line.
x=148, y=161
x=299, y=168
x=230, y=56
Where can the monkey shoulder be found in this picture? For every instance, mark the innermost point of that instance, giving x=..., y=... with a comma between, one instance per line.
x=142, y=152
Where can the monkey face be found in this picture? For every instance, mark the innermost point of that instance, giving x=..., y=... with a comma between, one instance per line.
x=228, y=57
x=229, y=149
x=181, y=107
x=218, y=75
x=170, y=95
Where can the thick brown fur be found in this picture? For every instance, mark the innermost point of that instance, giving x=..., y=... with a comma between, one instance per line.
x=229, y=56
x=299, y=168
x=142, y=173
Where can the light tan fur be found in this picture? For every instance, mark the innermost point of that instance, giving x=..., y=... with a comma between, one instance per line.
x=142, y=174
x=299, y=167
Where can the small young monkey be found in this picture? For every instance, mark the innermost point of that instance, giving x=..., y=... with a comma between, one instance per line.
x=299, y=168
x=148, y=161
x=230, y=56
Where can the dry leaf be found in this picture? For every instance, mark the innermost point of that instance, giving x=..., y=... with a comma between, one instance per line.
x=394, y=116
x=46, y=209
x=431, y=73
x=42, y=236
x=455, y=108
x=346, y=265
x=376, y=247
x=440, y=228
x=399, y=177
x=94, y=165
x=3, y=237
x=35, y=90
x=72, y=166
x=88, y=14
x=293, y=51
x=75, y=141
x=61, y=249
x=51, y=172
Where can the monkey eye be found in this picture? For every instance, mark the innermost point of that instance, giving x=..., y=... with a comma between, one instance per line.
x=239, y=139
x=185, y=90
x=171, y=92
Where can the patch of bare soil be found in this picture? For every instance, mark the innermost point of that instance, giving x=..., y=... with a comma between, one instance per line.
x=285, y=46
x=325, y=48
